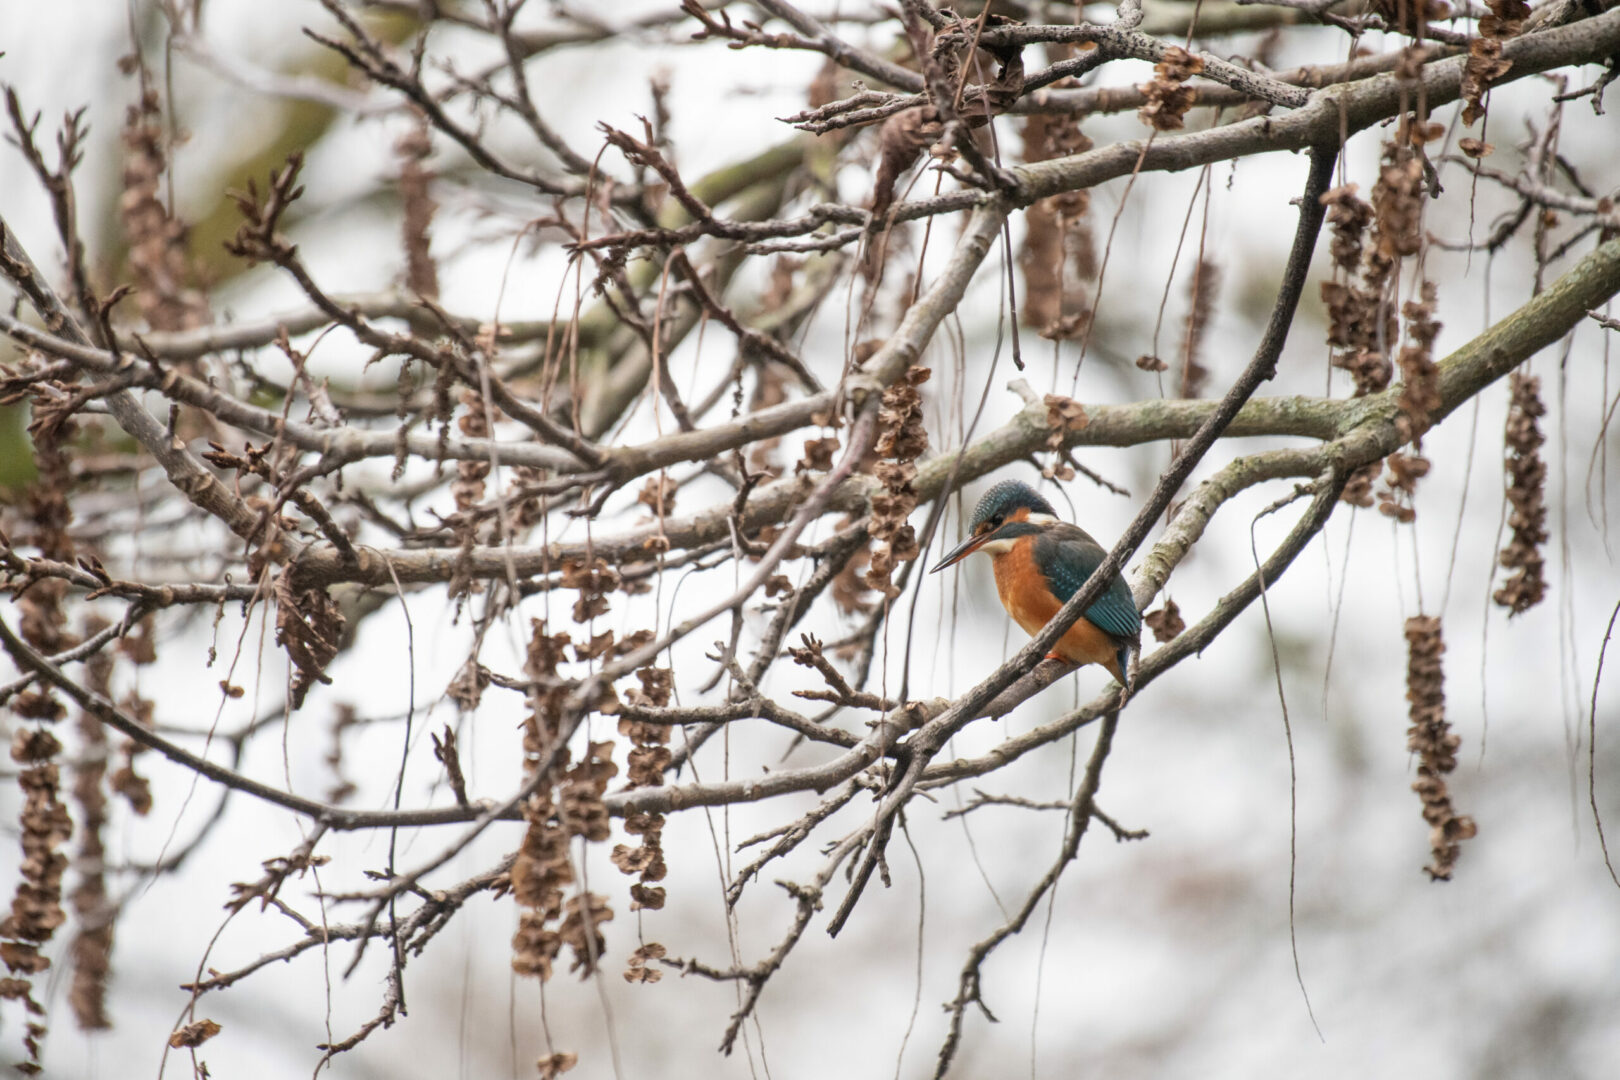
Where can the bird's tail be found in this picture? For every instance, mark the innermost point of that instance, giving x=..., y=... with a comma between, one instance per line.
x=1122, y=657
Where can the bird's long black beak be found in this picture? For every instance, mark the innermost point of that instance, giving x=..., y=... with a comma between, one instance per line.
x=961, y=551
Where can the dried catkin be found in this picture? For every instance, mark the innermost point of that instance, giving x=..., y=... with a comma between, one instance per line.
x=1430, y=737
x=1527, y=482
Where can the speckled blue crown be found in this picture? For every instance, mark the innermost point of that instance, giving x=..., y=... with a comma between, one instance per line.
x=1004, y=498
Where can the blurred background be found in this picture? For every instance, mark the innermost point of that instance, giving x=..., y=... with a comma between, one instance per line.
x=1168, y=956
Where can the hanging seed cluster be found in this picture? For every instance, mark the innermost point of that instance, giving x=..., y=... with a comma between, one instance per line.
x=901, y=440
x=1430, y=737
x=1169, y=98
x=36, y=908
x=1526, y=494
x=1420, y=375
x=1485, y=63
x=1064, y=415
x=468, y=486
x=1166, y=623
x=158, y=259
x=415, y=178
x=1358, y=321
x=43, y=825
x=1411, y=17
x=907, y=134
x=1058, y=255
x=1202, y=292
x=649, y=757
x=848, y=588
x=92, y=946
x=309, y=625
x=549, y=918
x=1418, y=400
x=140, y=649
x=1368, y=242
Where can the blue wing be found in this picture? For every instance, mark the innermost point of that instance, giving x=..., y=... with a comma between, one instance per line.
x=1069, y=555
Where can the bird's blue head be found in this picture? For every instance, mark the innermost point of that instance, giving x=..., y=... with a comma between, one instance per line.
x=1004, y=499
x=1003, y=513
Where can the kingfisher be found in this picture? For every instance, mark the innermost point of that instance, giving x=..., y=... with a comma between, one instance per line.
x=1040, y=562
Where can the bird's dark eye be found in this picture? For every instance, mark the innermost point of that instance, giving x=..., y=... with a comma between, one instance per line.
x=995, y=522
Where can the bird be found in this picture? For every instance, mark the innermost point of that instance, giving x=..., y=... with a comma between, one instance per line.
x=1040, y=562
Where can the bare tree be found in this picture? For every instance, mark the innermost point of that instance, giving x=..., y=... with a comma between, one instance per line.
x=670, y=421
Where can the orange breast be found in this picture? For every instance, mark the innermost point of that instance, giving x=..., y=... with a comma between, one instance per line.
x=1028, y=599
